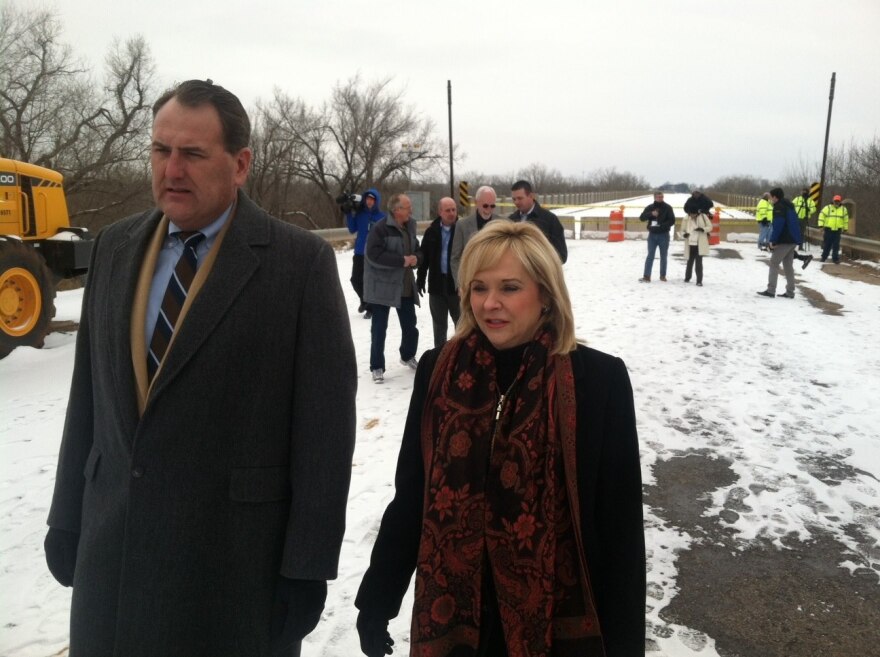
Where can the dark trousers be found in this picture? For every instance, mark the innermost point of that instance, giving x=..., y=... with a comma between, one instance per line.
x=443, y=306
x=357, y=276
x=409, y=339
x=694, y=257
x=831, y=242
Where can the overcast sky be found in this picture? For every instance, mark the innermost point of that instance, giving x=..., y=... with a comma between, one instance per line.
x=681, y=90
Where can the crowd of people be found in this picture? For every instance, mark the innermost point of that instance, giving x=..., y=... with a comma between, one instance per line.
x=781, y=224
x=202, y=481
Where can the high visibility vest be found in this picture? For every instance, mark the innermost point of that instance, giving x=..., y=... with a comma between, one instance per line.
x=834, y=217
x=804, y=210
x=764, y=211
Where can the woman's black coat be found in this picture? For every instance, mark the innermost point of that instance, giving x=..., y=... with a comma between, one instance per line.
x=609, y=487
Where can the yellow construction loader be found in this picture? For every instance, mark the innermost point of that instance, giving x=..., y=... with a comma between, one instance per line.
x=38, y=248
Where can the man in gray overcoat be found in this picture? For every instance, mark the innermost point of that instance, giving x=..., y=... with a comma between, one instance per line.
x=200, y=496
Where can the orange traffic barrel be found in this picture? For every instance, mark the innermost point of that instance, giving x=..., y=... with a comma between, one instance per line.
x=715, y=235
x=615, y=226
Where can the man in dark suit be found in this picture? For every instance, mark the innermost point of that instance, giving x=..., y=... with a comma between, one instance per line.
x=200, y=496
x=528, y=209
x=436, y=267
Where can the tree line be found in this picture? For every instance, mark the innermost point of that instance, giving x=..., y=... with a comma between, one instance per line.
x=96, y=131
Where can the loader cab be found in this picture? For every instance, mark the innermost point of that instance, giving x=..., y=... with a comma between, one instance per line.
x=32, y=203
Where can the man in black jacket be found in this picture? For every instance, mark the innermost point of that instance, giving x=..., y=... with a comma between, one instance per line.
x=528, y=209
x=437, y=268
x=661, y=219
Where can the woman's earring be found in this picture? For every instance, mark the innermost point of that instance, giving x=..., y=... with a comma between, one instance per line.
x=545, y=310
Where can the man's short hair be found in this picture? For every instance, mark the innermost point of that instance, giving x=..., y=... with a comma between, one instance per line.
x=777, y=192
x=234, y=120
x=524, y=185
x=394, y=202
x=483, y=190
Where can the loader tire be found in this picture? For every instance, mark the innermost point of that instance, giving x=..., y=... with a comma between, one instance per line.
x=27, y=296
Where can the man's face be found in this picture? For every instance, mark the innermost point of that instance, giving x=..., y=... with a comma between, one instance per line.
x=773, y=199
x=486, y=204
x=523, y=201
x=194, y=177
x=447, y=212
x=369, y=202
x=403, y=210
x=658, y=198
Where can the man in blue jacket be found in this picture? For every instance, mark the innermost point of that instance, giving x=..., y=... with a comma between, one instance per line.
x=784, y=241
x=360, y=220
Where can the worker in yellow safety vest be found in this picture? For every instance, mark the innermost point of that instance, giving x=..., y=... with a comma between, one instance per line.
x=805, y=207
x=764, y=217
x=834, y=219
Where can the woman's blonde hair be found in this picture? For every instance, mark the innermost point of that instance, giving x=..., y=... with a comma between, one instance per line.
x=538, y=258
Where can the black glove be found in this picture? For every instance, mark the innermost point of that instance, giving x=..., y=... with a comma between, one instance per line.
x=373, y=632
x=765, y=222
x=296, y=611
x=421, y=287
x=700, y=230
x=685, y=235
x=61, y=547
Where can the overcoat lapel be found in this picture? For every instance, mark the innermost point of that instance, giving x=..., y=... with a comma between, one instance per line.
x=234, y=266
x=117, y=316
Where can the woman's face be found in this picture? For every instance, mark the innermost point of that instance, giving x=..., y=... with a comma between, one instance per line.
x=506, y=303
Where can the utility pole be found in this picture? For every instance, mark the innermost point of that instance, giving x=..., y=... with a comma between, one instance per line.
x=825, y=151
x=451, y=172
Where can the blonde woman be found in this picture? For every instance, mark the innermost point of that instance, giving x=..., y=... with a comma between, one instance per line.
x=518, y=488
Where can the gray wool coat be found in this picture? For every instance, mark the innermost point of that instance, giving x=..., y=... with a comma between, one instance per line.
x=383, y=262
x=238, y=469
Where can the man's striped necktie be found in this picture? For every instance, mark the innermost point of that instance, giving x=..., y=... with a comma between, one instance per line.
x=172, y=303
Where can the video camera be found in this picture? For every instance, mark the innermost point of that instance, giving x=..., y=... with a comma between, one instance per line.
x=348, y=202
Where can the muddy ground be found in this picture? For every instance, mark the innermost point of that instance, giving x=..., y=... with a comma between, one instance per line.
x=758, y=600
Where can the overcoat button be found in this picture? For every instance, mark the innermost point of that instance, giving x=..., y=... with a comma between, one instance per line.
x=137, y=472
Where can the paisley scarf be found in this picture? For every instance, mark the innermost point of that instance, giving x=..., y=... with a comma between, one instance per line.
x=501, y=484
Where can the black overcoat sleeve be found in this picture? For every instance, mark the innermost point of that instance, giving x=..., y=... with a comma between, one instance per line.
x=610, y=490
x=393, y=560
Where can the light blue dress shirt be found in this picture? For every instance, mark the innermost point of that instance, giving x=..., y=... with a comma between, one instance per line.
x=172, y=249
x=445, y=232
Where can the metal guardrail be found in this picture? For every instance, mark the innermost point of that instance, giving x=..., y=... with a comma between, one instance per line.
x=850, y=242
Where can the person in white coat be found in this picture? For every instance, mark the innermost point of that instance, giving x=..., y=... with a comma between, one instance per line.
x=695, y=231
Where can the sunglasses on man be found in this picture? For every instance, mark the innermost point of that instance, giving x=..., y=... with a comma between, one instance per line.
x=486, y=206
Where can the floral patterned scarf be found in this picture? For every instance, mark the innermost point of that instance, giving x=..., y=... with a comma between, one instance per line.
x=502, y=493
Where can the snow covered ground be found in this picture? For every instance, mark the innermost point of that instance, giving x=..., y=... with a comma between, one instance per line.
x=772, y=385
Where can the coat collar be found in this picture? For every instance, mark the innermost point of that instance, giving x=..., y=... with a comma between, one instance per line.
x=235, y=264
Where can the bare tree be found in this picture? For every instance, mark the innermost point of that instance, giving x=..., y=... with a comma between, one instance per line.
x=52, y=113
x=39, y=81
x=544, y=180
x=364, y=135
x=610, y=179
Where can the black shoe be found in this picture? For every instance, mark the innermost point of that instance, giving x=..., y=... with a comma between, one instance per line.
x=687, y=280
x=807, y=260
x=787, y=295
x=765, y=293
x=699, y=284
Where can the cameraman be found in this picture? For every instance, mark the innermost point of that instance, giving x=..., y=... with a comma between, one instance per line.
x=360, y=219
